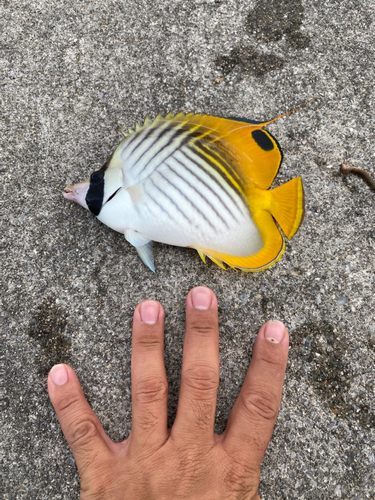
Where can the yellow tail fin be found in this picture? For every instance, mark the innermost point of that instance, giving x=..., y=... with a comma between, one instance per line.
x=287, y=206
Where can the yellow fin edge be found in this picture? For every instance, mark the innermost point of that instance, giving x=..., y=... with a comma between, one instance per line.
x=301, y=210
x=217, y=262
x=266, y=266
x=202, y=256
x=226, y=259
x=273, y=249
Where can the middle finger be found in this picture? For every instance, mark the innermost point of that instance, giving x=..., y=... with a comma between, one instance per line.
x=200, y=368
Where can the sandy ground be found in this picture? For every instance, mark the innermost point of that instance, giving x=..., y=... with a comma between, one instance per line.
x=72, y=75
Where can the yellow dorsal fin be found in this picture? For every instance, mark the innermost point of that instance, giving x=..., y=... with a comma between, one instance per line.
x=253, y=152
x=137, y=126
x=290, y=112
x=234, y=139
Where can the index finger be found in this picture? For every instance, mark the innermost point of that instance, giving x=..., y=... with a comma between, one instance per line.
x=254, y=413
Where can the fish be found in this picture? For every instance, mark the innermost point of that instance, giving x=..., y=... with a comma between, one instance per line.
x=197, y=181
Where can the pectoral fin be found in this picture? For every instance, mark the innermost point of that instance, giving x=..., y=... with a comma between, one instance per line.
x=143, y=245
x=147, y=255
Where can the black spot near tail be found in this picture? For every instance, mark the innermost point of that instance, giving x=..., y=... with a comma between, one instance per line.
x=263, y=140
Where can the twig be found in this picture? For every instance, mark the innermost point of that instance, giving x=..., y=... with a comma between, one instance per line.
x=344, y=169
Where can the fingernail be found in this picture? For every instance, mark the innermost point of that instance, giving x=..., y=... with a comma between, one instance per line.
x=201, y=297
x=150, y=312
x=59, y=375
x=274, y=331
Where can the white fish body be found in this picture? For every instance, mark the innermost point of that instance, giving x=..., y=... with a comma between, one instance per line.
x=174, y=204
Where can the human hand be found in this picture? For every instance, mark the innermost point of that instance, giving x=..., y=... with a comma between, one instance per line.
x=187, y=461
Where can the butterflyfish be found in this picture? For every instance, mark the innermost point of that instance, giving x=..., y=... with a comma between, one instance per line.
x=197, y=181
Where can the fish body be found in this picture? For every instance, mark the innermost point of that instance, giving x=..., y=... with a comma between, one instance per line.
x=197, y=181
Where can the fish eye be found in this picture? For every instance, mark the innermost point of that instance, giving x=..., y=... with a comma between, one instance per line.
x=96, y=177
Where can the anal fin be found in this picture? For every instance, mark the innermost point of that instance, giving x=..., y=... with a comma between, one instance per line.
x=217, y=262
x=202, y=256
x=271, y=252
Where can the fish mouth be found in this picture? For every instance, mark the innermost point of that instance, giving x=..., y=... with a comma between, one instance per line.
x=77, y=193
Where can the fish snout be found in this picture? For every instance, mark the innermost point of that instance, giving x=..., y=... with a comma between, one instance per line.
x=77, y=193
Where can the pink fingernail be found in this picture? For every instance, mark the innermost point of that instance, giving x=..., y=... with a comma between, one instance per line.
x=149, y=312
x=274, y=331
x=201, y=297
x=59, y=375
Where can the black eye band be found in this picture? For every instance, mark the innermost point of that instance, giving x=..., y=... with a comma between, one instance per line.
x=95, y=192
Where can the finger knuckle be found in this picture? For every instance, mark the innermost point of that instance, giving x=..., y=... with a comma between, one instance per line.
x=272, y=362
x=99, y=485
x=204, y=327
x=149, y=342
x=67, y=403
x=203, y=412
x=84, y=433
x=242, y=479
x=188, y=466
x=201, y=380
x=151, y=390
x=260, y=403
